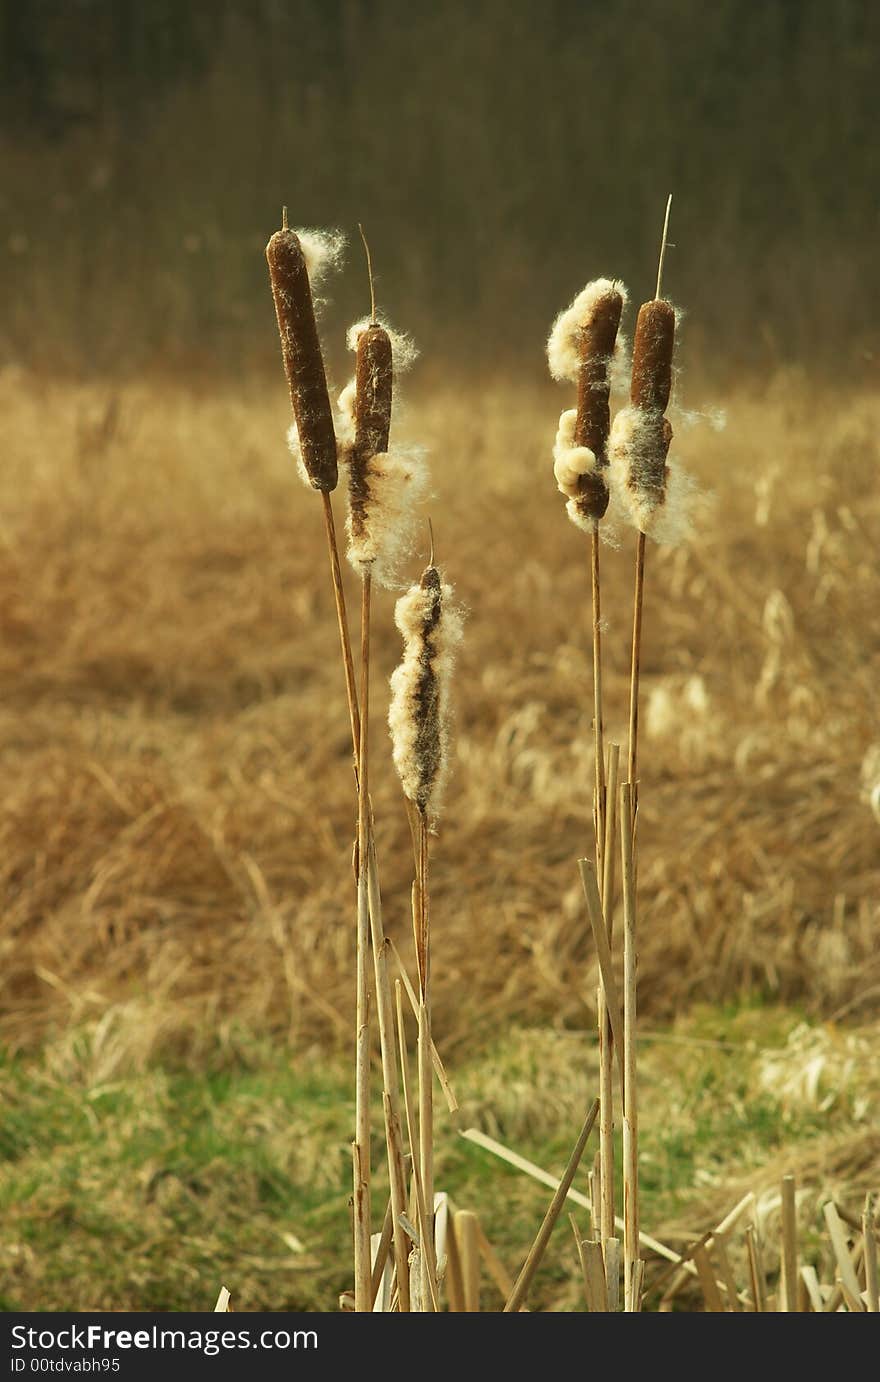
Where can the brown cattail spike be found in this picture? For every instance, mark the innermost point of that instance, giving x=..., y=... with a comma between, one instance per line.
x=596, y=340
x=374, y=380
x=652, y=355
x=303, y=362
x=428, y=740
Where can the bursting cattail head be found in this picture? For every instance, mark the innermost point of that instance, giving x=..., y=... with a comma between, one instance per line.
x=419, y=713
x=384, y=485
x=301, y=353
x=581, y=349
x=655, y=493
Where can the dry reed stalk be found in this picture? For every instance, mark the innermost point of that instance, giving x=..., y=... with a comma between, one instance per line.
x=813, y=1289
x=611, y=1250
x=466, y=1229
x=756, y=1270
x=594, y=1182
x=606, y=1038
x=722, y=1257
x=390, y=1095
x=425, y=1079
x=593, y=1267
x=342, y=626
x=454, y=1276
x=379, y=1249
x=362, y=1302
x=494, y=1266
x=529, y=1168
x=222, y=1305
x=582, y=1260
x=603, y=954
x=849, y=1282
x=427, y=1273
x=521, y=1288
x=869, y=1237
x=711, y=1294
x=439, y=1069
x=630, y=1092
x=790, y=1277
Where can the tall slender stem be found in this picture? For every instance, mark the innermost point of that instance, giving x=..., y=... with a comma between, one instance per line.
x=342, y=621
x=362, y=1263
x=633, y=749
x=606, y=1040
x=598, y=727
x=630, y=1092
x=426, y=1086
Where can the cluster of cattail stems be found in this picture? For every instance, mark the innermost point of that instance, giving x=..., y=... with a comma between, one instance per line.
x=381, y=490
x=380, y=487
x=592, y=458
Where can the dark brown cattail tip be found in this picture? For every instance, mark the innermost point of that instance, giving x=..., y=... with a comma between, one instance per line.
x=592, y=501
x=431, y=579
x=374, y=386
x=652, y=355
x=596, y=341
x=303, y=362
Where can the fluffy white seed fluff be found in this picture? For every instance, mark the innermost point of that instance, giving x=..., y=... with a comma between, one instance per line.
x=345, y=413
x=419, y=715
x=295, y=448
x=396, y=482
x=562, y=347
x=570, y=462
x=404, y=351
x=322, y=251
x=667, y=517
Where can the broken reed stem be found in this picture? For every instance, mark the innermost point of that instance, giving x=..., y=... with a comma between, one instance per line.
x=521, y=1289
x=362, y=1264
x=633, y=746
x=788, y=1302
x=630, y=1095
x=606, y=1038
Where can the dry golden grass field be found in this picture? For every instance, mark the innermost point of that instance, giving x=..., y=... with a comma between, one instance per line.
x=177, y=814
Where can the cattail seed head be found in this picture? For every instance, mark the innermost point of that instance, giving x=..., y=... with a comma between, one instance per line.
x=419, y=713
x=581, y=348
x=659, y=498
x=374, y=383
x=303, y=362
x=384, y=486
x=652, y=355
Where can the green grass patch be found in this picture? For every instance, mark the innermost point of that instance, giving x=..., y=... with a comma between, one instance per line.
x=150, y=1190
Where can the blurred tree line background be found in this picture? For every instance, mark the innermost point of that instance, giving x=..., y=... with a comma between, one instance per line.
x=499, y=153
